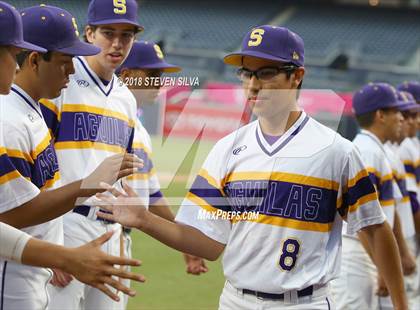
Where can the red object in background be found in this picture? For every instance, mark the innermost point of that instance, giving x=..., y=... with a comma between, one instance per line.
x=190, y=120
x=220, y=109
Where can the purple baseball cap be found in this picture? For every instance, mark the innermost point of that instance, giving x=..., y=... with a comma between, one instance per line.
x=108, y=12
x=375, y=96
x=55, y=30
x=272, y=43
x=147, y=55
x=407, y=101
x=412, y=87
x=11, y=30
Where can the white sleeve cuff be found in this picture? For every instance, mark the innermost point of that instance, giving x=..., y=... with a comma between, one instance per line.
x=12, y=241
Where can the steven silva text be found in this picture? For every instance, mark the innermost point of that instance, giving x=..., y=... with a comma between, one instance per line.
x=165, y=81
x=227, y=215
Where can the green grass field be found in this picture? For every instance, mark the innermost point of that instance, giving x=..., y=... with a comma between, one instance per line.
x=168, y=286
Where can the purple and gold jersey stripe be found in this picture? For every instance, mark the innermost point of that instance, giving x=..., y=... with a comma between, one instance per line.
x=51, y=115
x=282, y=199
x=41, y=169
x=8, y=171
x=410, y=168
x=82, y=127
x=359, y=191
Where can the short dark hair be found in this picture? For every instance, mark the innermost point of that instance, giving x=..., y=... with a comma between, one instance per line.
x=93, y=27
x=366, y=120
x=22, y=56
x=289, y=73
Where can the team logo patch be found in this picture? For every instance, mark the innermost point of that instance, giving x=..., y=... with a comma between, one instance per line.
x=239, y=149
x=83, y=83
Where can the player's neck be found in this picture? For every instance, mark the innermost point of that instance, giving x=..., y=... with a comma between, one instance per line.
x=28, y=85
x=276, y=126
x=378, y=133
x=101, y=72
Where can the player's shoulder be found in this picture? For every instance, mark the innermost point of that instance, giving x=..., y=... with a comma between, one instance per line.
x=241, y=134
x=140, y=133
x=407, y=148
x=317, y=137
x=14, y=115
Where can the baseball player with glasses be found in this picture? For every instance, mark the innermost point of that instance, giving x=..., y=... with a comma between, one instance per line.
x=299, y=178
x=93, y=119
x=28, y=162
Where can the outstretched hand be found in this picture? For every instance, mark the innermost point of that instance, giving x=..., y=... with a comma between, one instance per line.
x=124, y=208
x=90, y=265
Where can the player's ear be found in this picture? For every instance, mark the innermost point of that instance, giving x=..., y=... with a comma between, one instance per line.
x=380, y=116
x=33, y=60
x=297, y=76
x=89, y=34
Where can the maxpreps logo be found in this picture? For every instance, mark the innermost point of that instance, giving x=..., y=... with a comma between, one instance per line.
x=83, y=83
x=239, y=149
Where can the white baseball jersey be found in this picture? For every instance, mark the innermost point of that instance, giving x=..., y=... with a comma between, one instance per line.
x=89, y=121
x=402, y=199
x=416, y=144
x=409, y=155
x=299, y=188
x=380, y=172
x=145, y=182
x=28, y=165
x=29, y=162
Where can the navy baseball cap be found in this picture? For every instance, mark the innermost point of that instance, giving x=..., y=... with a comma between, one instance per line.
x=147, y=55
x=11, y=30
x=55, y=30
x=108, y=12
x=375, y=96
x=271, y=43
x=407, y=101
x=412, y=87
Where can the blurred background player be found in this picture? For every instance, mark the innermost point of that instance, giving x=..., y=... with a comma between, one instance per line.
x=407, y=150
x=298, y=228
x=403, y=208
x=410, y=150
x=375, y=106
x=146, y=61
x=93, y=119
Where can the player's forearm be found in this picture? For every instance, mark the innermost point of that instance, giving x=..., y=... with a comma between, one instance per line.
x=162, y=209
x=47, y=206
x=402, y=244
x=53, y=256
x=417, y=222
x=385, y=251
x=364, y=240
x=181, y=237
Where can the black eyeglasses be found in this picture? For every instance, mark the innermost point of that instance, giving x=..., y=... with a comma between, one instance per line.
x=263, y=74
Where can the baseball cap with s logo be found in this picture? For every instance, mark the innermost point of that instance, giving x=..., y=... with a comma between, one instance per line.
x=271, y=43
